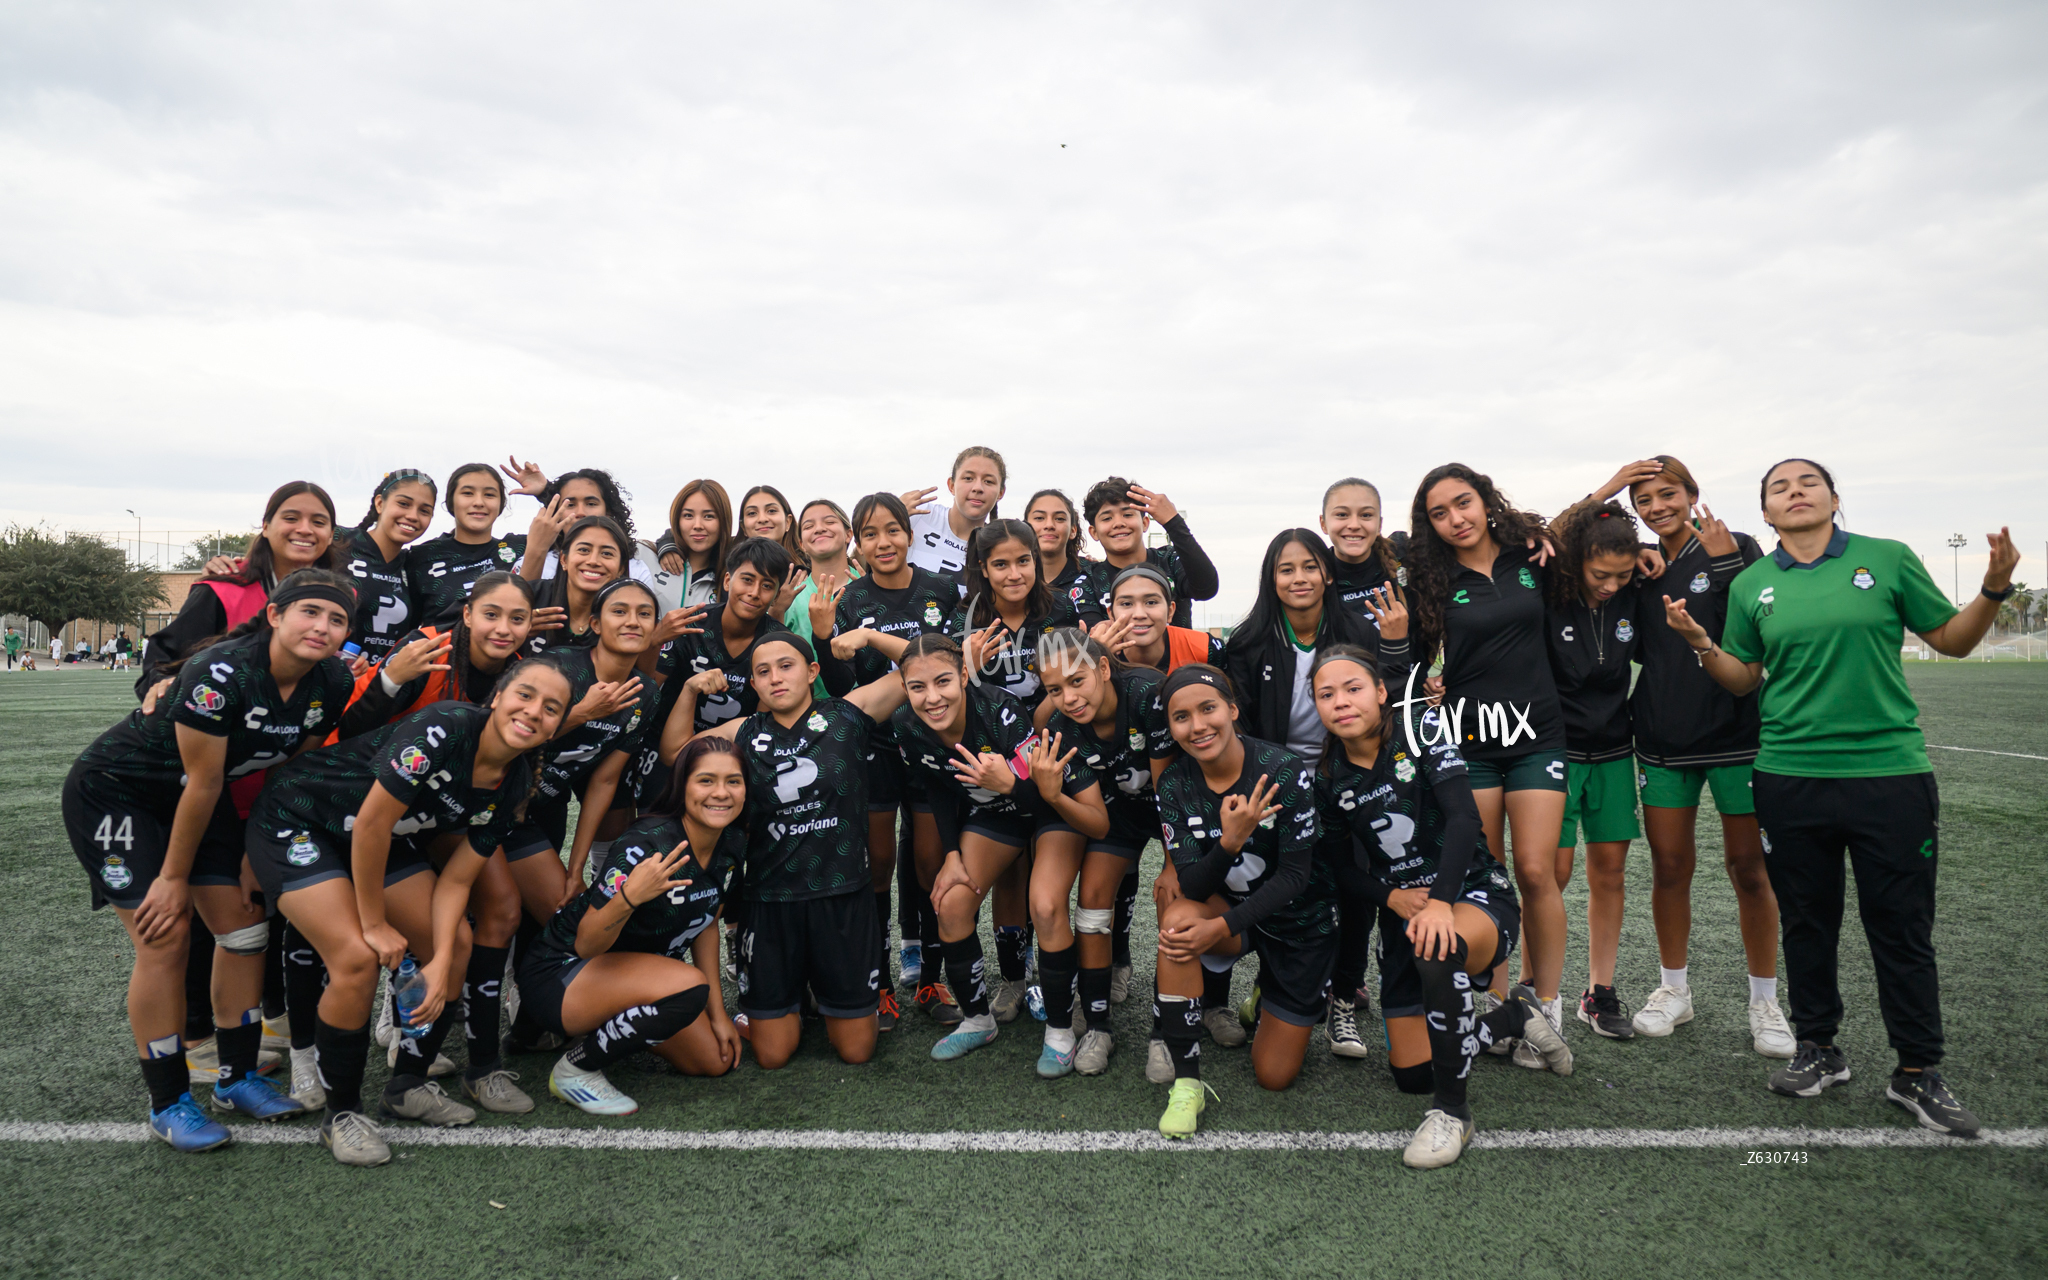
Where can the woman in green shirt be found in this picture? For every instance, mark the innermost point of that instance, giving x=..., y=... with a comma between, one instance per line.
x=1843, y=767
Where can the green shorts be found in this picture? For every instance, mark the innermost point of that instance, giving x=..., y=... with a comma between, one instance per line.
x=1537, y=771
x=1680, y=788
x=1602, y=798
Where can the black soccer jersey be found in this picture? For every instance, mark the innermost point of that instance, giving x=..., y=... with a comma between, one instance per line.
x=424, y=759
x=996, y=723
x=1498, y=694
x=1122, y=761
x=567, y=763
x=1184, y=564
x=665, y=926
x=1073, y=584
x=1683, y=718
x=224, y=692
x=1014, y=670
x=807, y=803
x=686, y=656
x=440, y=571
x=1591, y=659
x=1274, y=881
x=920, y=608
x=1355, y=584
x=383, y=599
x=1388, y=823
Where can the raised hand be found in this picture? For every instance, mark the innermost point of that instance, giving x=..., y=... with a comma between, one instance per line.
x=918, y=501
x=607, y=696
x=1390, y=610
x=532, y=480
x=985, y=644
x=986, y=770
x=1242, y=814
x=1630, y=475
x=652, y=878
x=552, y=618
x=428, y=653
x=2005, y=557
x=1156, y=505
x=1113, y=635
x=1046, y=767
x=786, y=596
x=824, y=607
x=1685, y=624
x=548, y=523
x=678, y=622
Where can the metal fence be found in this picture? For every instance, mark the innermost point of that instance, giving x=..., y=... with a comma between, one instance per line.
x=163, y=549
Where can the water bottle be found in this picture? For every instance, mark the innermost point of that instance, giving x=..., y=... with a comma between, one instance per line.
x=408, y=993
x=351, y=651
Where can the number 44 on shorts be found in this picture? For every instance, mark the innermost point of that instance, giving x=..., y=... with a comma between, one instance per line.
x=107, y=833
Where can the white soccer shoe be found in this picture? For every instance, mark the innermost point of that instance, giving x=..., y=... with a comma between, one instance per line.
x=1667, y=1009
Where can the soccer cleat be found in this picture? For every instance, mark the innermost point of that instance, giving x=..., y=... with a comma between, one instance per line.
x=187, y=1128
x=509, y=985
x=306, y=1086
x=202, y=1059
x=545, y=1042
x=1007, y=1001
x=1484, y=1003
x=912, y=964
x=495, y=1093
x=440, y=1066
x=277, y=1033
x=1600, y=1009
x=1439, y=1140
x=258, y=1099
x=960, y=1043
x=1184, y=1106
x=385, y=1022
x=1226, y=1027
x=1345, y=1042
x=588, y=1091
x=1814, y=1068
x=427, y=1104
x=935, y=1000
x=1052, y=1064
x=1119, y=982
x=1034, y=1002
x=1158, y=1063
x=1768, y=1033
x=744, y=1026
x=888, y=1013
x=1091, y=1056
x=1667, y=1009
x=1925, y=1095
x=355, y=1140
x=1541, y=1036
x=1248, y=1009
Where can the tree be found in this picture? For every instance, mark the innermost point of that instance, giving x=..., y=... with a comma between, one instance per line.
x=56, y=579
x=232, y=545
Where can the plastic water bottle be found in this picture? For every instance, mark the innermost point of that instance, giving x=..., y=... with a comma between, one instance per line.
x=351, y=651
x=408, y=993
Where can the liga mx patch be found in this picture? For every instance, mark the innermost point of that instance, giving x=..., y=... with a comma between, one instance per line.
x=412, y=761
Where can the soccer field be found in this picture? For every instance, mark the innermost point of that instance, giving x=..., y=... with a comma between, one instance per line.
x=1640, y=1161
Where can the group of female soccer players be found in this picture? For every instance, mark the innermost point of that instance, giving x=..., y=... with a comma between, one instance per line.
x=356, y=750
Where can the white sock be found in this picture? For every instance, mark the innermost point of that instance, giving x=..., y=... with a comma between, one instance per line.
x=1673, y=978
x=979, y=1022
x=1762, y=988
x=1061, y=1039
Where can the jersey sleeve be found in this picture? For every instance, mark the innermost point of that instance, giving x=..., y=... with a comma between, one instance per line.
x=1195, y=576
x=1296, y=831
x=1739, y=635
x=209, y=698
x=424, y=743
x=1151, y=718
x=1922, y=606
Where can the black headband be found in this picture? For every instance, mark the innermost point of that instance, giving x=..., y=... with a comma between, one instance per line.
x=1196, y=673
x=790, y=638
x=291, y=592
x=1141, y=571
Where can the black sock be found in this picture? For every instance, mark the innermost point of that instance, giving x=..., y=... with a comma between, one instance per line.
x=273, y=973
x=882, y=925
x=238, y=1047
x=908, y=893
x=483, y=996
x=1178, y=1021
x=630, y=1030
x=341, y=1056
x=304, y=979
x=416, y=1054
x=1215, y=988
x=1126, y=907
x=1010, y=952
x=167, y=1078
x=1094, y=998
x=199, y=982
x=934, y=951
x=1447, y=992
x=1056, y=971
x=968, y=976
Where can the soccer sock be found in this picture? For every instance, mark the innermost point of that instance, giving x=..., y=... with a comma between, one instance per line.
x=304, y=978
x=164, y=1073
x=1215, y=987
x=273, y=974
x=1126, y=907
x=928, y=938
x=1762, y=988
x=1178, y=1021
x=340, y=1056
x=967, y=975
x=416, y=1054
x=1056, y=970
x=640, y=1027
x=882, y=932
x=238, y=1046
x=1094, y=998
x=1010, y=952
x=199, y=982
x=483, y=996
x=1447, y=993
x=1674, y=978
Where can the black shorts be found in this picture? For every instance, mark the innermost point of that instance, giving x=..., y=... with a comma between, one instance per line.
x=1294, y=975
x=120, y=839
x=827, y=944
x=885, y=779
x=1401, y=986
x=544, y=981
x=1129, y=832
x=542, y=830
x=285, y=859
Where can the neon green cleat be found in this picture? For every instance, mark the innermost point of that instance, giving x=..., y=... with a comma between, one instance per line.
x=1184, y=1107
x=1248, y=1010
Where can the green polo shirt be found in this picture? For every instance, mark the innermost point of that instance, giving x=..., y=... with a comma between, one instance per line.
x=1834, y=698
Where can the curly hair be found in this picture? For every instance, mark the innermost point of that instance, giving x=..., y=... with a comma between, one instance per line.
x=1587, y=529
x=1432, y=562
x=607, y=488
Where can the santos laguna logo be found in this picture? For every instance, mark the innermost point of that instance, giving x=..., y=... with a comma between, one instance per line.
x=1496, y=723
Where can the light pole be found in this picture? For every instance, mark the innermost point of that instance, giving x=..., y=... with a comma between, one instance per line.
x=138, y=536
x=1956, y=543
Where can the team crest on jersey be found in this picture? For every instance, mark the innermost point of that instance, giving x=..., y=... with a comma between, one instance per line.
x=1404, y=768
x=1137, y=740
x=504, y=554
x=931, y=614
x=303, y=852
x=116, y=872
x=634, y=722
x=1862, y=578
x=314, y=714
x=412, y=761
x=206, y=699
x=1700, y=582
x=1624, y=631
x=1527, y=579
x=816, y=722
x=479, y=819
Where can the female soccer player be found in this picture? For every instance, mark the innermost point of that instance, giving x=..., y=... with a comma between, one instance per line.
x=146, y=809
x=1844, y=767
x=1365, y=561
x=439, y=662
x=1052, y=516
x=755, y=570
x=577, y=495
x=627, y=964
x=337, y=841
x=825, y=535
x=973, y=747
x=440, y=571
x=938, y=533
x=1119, y=513
x=1111, y=712
x=1691, y=735
x=1239, y=820
x=400, y=511
x=698, y=536
x=1399, y=826
x=595, y=550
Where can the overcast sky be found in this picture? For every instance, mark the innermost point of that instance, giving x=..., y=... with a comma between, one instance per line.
x=1232, y=251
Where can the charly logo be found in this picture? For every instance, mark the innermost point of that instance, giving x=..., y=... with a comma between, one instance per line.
x=1700, y=582
x=1624, y=631
x=1460, y=597
x=1766, y=603
x=116, y=873
x=1566, y=634
x=1862, y=579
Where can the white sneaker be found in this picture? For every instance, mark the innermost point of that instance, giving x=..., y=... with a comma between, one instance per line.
x=1768, y=1031
x=387, y=1028
x=1667, y=1009
x=306, y=1086
x=588, y=1091
x=277, y=1033
x=441, y=1066
x=1158, y=1063
x=1527, y=1054
x=1439, y=1140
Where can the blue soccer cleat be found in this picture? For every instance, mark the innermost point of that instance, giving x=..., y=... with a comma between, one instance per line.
x=961, y=1043
x=187, y=1128
x=258, y=1099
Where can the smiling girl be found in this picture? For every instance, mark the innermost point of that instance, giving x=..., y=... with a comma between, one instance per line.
x=440, y=571
x=400, y=511
x=939, y=533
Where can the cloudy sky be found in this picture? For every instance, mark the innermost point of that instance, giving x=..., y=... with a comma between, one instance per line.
x=1233, y=251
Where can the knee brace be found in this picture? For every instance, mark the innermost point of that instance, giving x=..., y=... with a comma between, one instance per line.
x=250, y=941
x=1219, y=964
x=1094, y=919
x=1420, y=1078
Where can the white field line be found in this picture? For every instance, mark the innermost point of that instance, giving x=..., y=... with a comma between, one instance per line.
x=1031, y=1142
x=1980, y=751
